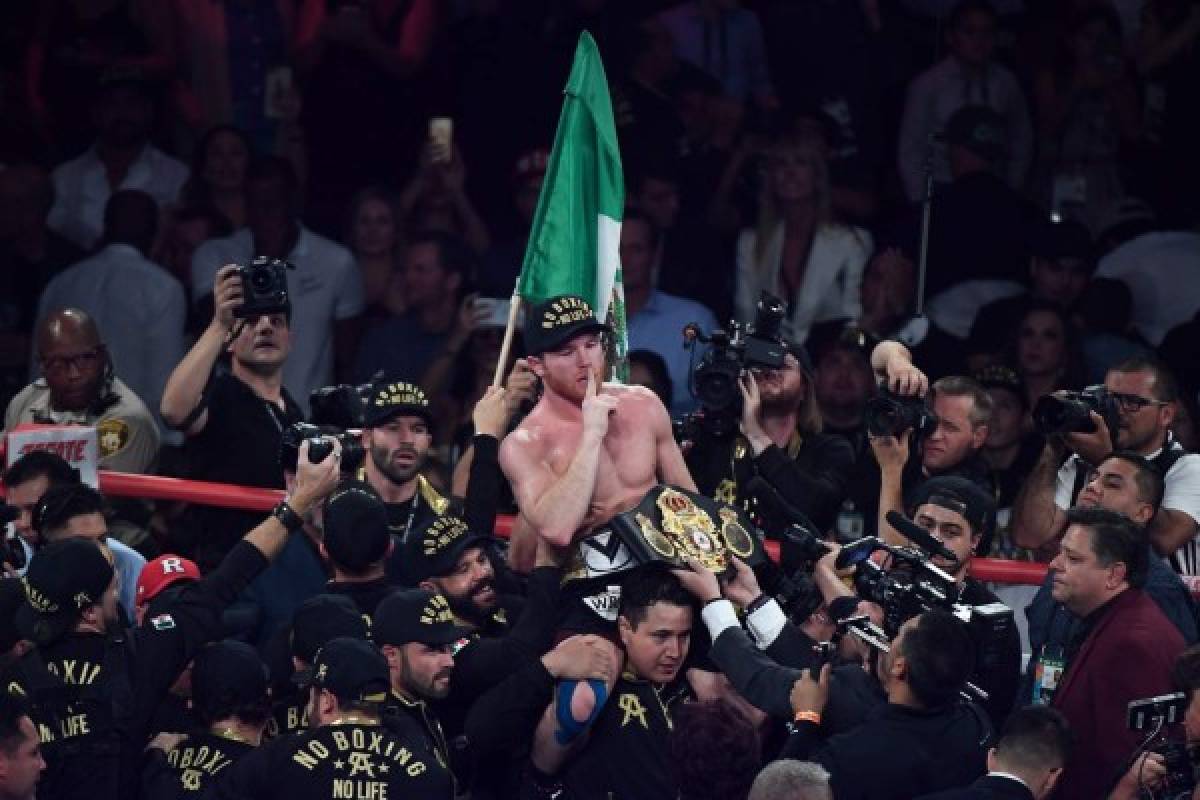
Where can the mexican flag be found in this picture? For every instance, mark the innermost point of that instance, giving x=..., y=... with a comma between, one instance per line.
x=574, y=243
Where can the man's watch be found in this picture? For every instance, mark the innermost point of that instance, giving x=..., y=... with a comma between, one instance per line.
x=287, y=517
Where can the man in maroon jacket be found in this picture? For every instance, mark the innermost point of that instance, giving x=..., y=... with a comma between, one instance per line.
x=1124, y=651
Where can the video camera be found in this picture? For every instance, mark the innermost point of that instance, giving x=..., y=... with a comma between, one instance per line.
x=1070, y=412
x=714, y=382
x=264, y=288
x=915, y=585
x=1157, y=715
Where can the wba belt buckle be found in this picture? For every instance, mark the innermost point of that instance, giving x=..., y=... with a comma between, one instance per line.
x=671, y=524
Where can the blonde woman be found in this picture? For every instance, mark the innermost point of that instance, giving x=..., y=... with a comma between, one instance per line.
x=796, y=251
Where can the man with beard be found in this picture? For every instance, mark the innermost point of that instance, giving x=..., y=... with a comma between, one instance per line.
x=79, y=387
x=415, y=630
x=782, y=443
x=1146, y=395
x=235, y=421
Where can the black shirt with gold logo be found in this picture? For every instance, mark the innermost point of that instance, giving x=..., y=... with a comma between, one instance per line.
x=188, y=769
x=348, y=759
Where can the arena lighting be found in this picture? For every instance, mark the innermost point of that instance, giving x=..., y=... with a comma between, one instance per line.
x=244, y=498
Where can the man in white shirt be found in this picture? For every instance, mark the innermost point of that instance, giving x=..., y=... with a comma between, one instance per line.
x=139, y=306
x=1146, y=395
x=968, y=76
x=326, y=287
x=121, y=158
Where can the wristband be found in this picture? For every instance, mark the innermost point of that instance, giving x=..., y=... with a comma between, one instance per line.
x=758, y=603
x=288, y=517
x=808, y=716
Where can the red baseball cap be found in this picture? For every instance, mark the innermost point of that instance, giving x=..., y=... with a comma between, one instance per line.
x=164, y=571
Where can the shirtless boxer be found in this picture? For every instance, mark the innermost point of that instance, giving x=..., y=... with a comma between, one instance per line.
x=587, y=451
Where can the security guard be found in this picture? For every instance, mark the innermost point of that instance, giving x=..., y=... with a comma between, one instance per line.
x=319, y=620
x=230, y=695
x=106, y=681
x=348, y=753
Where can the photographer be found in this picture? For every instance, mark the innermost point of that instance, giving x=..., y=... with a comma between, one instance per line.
x=923, y=740
x=781, y=441
x=235, y=420
x=1141, y=400
x=949, y=437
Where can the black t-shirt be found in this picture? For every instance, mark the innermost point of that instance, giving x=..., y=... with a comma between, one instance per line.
x=367, y=595
x=97, y=715
x=341, y=760
x=239, y=444
x=190, y=768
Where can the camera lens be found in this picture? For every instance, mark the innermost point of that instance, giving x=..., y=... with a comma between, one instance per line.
x=260, y=279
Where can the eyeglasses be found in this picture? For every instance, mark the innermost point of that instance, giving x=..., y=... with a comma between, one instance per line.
x=59, y=365
x=1132, y=403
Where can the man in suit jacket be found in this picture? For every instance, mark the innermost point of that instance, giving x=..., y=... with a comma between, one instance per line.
x=1025, y=764
x=1125, y=651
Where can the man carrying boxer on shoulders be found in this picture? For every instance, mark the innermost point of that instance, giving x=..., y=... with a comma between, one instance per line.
x=587, y=451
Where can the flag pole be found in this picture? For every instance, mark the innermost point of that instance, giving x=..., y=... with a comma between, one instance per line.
x=514, y=308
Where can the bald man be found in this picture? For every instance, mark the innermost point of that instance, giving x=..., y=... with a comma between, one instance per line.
x=78, y=387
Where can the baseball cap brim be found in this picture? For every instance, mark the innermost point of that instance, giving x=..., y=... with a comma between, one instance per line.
x=383, y=415
x=556, y=339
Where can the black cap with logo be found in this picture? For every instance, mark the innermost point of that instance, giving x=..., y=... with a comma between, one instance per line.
x=556, y=321
x=353, y=669
x=323, y=618
x=999, y=376
x=228, y=675
x=961, y=495
x=415, y=615
x=433, y=551
x=356, y=526
x=390, y=399
x=63, y=578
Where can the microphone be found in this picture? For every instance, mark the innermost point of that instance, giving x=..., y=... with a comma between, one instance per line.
x=919, y=536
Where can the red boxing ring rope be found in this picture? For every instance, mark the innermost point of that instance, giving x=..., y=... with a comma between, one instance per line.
x=224, y=495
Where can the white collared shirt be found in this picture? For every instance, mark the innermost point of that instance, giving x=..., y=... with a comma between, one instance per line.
x=326, y=286
x=81, y=190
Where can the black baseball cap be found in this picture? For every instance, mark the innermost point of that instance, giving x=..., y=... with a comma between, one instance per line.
x=433, y=551
x=356, y=528
x=390, y=399
x=999, y=376
x=959, y=494
x=323, y=618
x=228, y=674
x=551, y=323
x=981, y=130
x=63, y=578
x=353, y=669
x=415, y=615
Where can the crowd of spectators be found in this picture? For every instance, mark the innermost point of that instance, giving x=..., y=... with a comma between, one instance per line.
x=979, y=204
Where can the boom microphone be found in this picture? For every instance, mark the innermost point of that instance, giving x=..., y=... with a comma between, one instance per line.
x=919, y=536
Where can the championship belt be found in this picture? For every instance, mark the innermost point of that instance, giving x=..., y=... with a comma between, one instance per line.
x=672, y=524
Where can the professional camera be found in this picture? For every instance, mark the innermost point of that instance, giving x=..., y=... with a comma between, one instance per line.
x=264, y=288
x=1069, y=412
x=714, y=382
x=889, y=414
x=341, y=406
x=320, y=444
x=1158, y=714
x=915, y=585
